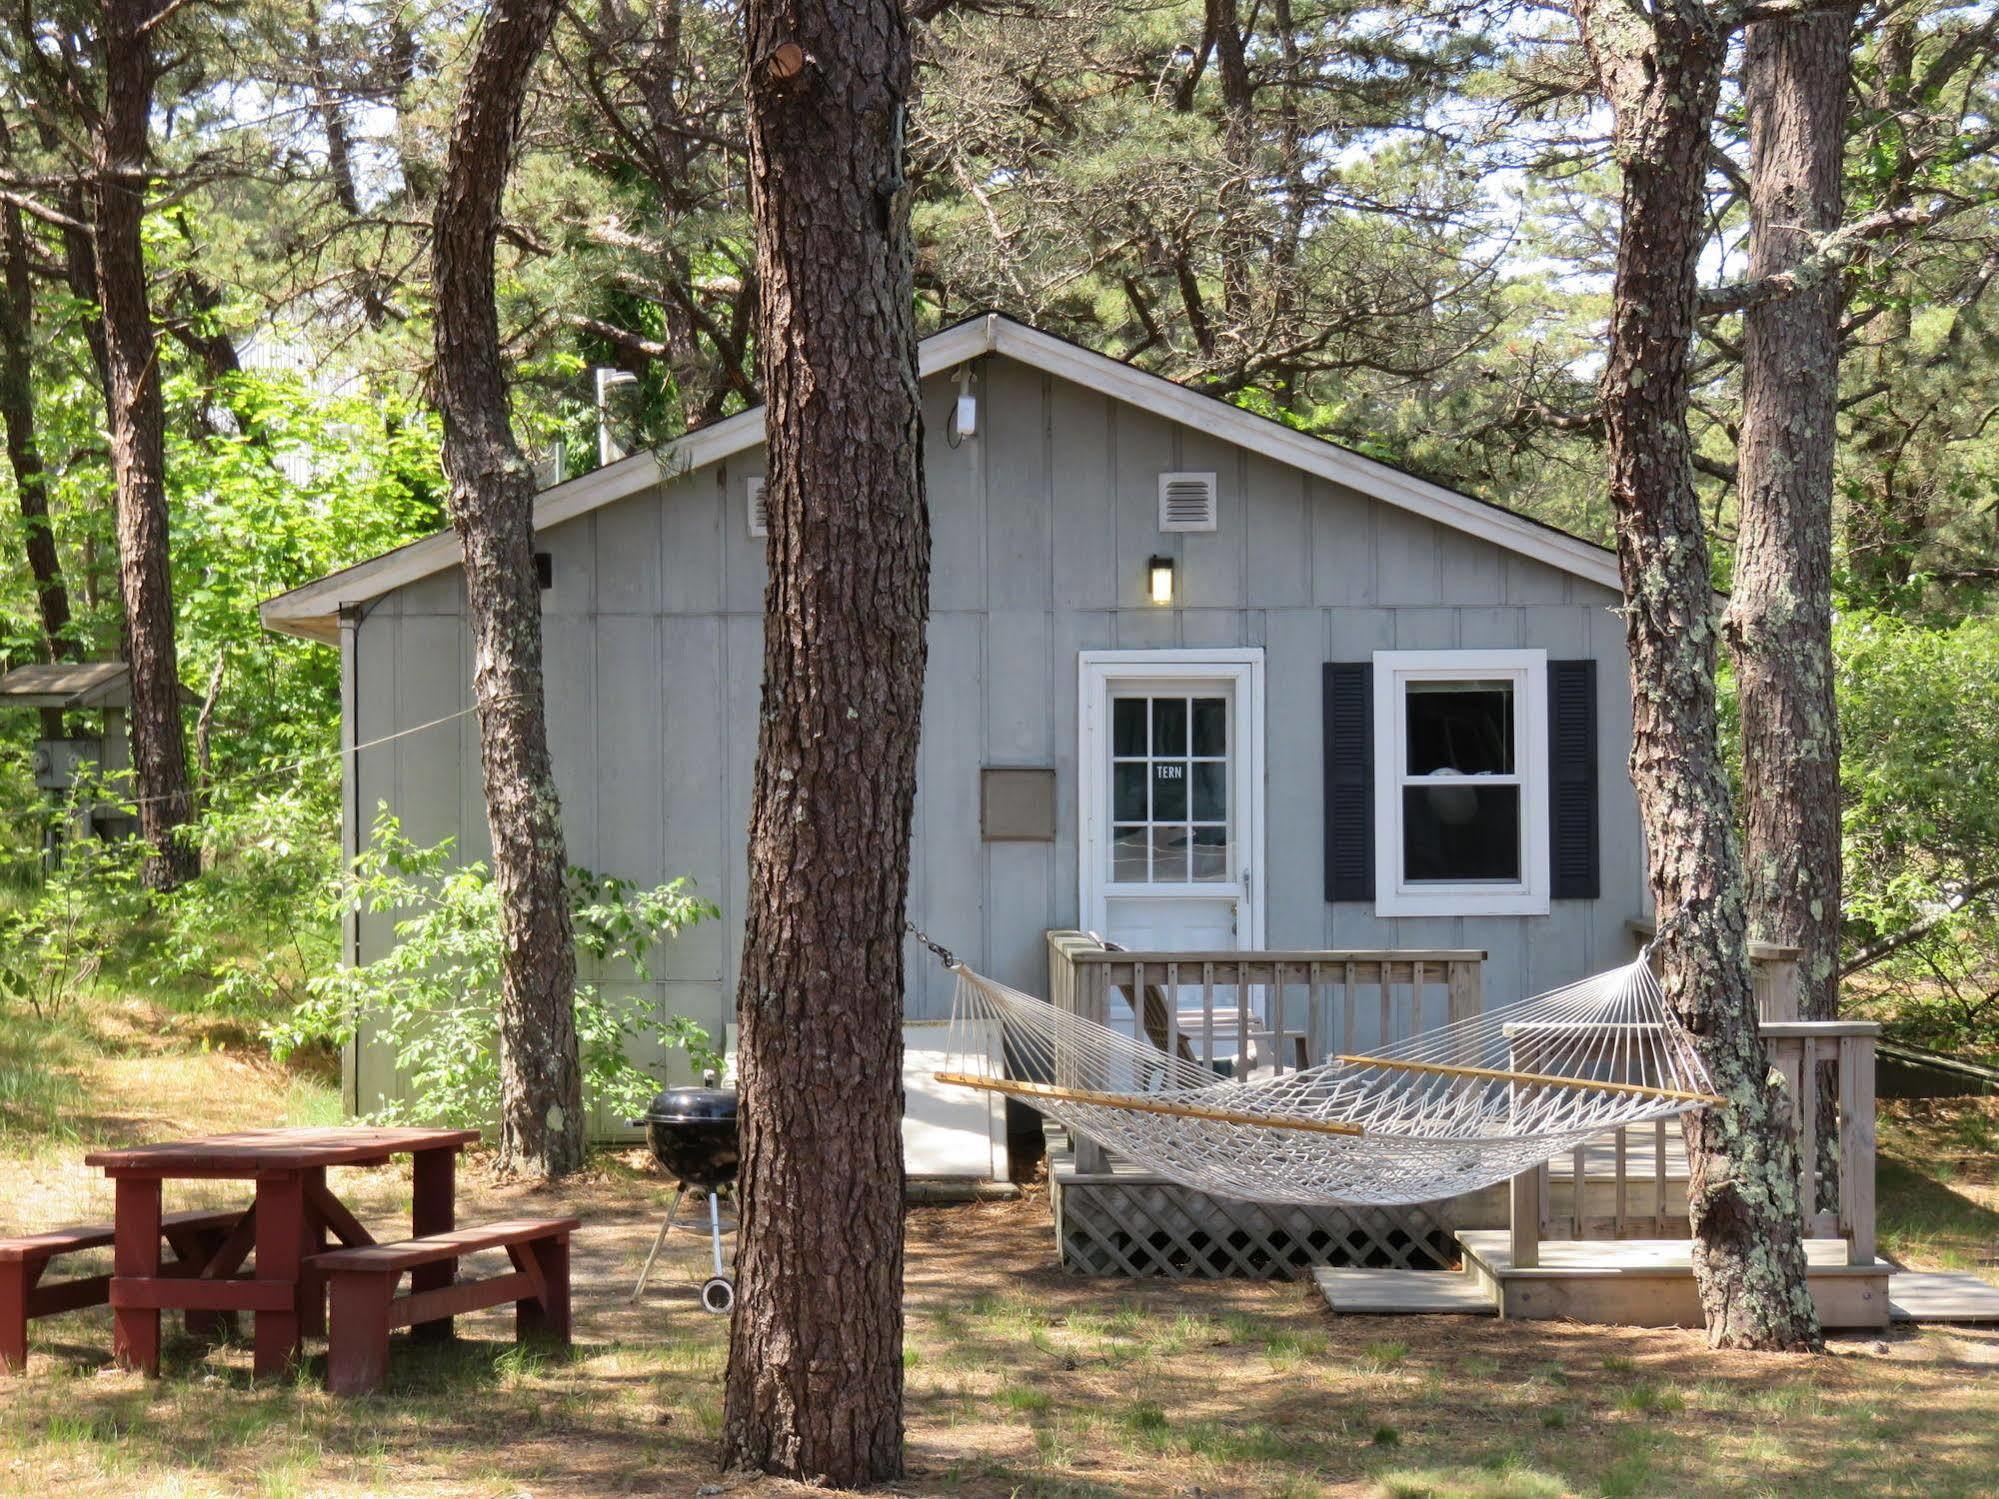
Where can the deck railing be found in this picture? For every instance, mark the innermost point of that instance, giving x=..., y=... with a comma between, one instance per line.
x=1619, y=1184
x=1281, y=1010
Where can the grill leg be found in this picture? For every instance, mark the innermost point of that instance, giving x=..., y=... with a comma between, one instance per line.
x=715, y=1234
x=658, y=1239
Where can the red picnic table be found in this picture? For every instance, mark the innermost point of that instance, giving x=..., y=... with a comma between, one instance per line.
x=293, y=1216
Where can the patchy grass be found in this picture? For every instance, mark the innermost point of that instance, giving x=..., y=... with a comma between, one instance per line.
x=1938, y=1183
x=1021, y=1380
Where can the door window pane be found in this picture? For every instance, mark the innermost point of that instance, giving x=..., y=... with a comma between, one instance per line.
x=1211, y=726
x=1460, y=832
x=1211, y=790
x=1461, y=727
x=1169, y=792
x=1128, y=726
x=1211, y=854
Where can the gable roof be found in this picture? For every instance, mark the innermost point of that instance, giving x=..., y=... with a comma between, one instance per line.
x=312, y=610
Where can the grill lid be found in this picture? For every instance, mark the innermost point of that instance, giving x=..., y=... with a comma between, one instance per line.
x=684, y=1105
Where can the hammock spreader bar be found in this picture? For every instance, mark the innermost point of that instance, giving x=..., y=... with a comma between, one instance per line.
x=1537, y=1079
x=1130, y=1103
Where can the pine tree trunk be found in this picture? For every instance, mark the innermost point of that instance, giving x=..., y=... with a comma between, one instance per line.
x=119, y=178
x=17, y=408
x=815, y=1364
x=1795, y=73
x=492, y=506
x=1662, y=75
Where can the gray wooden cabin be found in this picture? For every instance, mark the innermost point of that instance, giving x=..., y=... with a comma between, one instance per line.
x=1365, y=712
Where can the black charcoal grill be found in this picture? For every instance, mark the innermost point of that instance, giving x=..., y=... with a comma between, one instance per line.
x=691, y=1132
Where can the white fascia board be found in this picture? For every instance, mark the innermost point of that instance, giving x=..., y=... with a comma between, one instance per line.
x=312, y=611
x=1570, y=554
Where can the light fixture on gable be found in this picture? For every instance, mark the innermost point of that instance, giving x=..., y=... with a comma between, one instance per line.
x=964, y=421
x=1159, y=574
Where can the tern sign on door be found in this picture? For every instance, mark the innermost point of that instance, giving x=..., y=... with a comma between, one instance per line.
x=1172, y=778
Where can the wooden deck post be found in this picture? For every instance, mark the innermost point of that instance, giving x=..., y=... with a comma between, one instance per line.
x=1856, y=1147
x=1524, y=1224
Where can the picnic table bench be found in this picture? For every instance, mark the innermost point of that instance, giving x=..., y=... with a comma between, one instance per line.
x=193, y=1236
x=366, y=1309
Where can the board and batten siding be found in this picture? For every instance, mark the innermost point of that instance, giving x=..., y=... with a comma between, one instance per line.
x=1042, y=525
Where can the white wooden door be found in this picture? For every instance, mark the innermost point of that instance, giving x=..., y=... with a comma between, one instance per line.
x=1172, y=788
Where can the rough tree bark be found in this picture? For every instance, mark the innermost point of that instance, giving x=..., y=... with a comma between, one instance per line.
x=119, y=177
x=492, y=506
x=17, y=407
x=1795, y=74
x=815, y=1364
x=1661, y=72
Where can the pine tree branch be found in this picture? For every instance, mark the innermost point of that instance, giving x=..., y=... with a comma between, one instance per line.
x=1834, y=253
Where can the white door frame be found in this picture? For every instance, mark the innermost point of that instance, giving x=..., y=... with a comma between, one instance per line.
x=1241, y=667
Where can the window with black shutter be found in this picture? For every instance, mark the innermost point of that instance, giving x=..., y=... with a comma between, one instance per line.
x=1572, y=781
x=1438, y=782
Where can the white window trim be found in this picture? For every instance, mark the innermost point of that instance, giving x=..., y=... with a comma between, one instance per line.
x=1529, y=671
x=1097, y=672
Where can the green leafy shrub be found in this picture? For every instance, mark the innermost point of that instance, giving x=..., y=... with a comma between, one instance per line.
x=55, y=943
x=433, y=997
x=1919, y=717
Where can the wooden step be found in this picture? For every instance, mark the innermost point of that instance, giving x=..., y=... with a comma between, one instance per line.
x=1941, y=1296
x=1650, y=1282
x=1402, y=1293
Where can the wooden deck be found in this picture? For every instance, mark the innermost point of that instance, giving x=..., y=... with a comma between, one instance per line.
x=1628, y=1282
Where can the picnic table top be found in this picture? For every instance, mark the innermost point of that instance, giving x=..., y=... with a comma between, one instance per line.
x=253, y=1151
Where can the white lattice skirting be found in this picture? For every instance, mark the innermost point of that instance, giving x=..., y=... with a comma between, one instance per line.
x=1146, y=1227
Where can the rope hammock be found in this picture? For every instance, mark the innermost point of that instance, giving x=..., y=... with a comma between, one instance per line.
x=1446, y=1111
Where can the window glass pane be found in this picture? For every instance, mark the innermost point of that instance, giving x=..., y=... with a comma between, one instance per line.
x=1460, y=833
x=1169, y=726
x=1169, y=790
x=1169, y=856
x=1211, y=853
x=1466, y=727
x=1211, y=790
x=1128, y=726
x=1211, y=726
x=1128, y=792
x=1128, y=847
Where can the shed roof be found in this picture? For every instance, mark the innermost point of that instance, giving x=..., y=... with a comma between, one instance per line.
x=312, y=611
x=68, y=685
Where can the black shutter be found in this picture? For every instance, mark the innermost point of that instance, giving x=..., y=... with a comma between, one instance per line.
x=1572, y=834
x=1349, y=735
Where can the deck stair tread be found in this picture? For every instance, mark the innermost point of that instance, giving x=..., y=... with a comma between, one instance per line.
x=1607, y=1257
x=1401, y=1293
x=1941, y=1296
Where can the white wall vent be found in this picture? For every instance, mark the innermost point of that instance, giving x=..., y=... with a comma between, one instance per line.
x=1186, y=502
x=753, y=494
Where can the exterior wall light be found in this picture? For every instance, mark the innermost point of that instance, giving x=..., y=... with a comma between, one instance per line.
x=1160, y=571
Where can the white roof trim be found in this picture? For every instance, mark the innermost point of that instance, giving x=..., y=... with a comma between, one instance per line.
x=312, y=611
